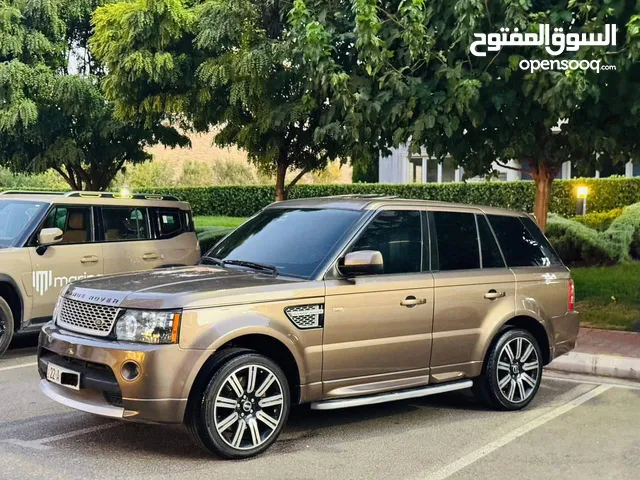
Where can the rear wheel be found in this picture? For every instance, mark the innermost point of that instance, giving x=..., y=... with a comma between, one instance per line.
x=6, y=326
x=513, y=371
x=243, y=408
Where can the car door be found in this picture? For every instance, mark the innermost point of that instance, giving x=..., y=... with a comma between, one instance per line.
x=176, y=239
x=474, y=291
x=377, y=331
x=77, y=256
x=128, y=245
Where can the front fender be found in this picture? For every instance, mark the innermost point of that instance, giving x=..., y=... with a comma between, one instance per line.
x=210, y=329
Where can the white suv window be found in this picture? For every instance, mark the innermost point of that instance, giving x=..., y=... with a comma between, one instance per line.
x=75, y=223
x=170, y=222
x=125, y=224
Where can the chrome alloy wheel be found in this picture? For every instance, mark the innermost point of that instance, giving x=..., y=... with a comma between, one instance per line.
x=518, y=370
x=248, y=407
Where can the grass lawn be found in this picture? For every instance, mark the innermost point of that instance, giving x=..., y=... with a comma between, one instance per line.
x=204, y=221
x=608, y=297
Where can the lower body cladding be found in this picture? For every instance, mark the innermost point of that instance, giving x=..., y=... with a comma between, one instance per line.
x=148, y=384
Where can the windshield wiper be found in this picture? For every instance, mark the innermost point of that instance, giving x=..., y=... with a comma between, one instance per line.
x=253, y=265
x=215, y=261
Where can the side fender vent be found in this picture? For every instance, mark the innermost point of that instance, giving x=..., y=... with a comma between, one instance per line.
x=306, y=316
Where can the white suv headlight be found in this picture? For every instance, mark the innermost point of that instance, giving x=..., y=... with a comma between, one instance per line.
x=148, y=326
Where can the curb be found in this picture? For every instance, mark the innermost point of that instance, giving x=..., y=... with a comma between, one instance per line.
x=601, y=365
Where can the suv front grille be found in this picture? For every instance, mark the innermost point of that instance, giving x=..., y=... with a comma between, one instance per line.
x=89, y=318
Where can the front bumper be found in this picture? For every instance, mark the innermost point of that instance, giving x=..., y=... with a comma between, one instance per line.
x=159, y=394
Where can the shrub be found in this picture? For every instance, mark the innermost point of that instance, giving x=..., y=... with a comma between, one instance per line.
x=244, y=200
x=141, y=176
x=49, y=180
x=599, y=220
x=231, y=172
x=577, y=243
x=195, y=174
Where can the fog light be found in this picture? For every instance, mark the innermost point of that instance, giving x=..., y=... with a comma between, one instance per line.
x=130, y=371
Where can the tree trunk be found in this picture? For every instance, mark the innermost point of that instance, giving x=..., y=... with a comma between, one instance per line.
x=543, y=176
x=281, y=172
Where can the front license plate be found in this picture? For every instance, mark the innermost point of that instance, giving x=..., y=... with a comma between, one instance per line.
x=63, y=376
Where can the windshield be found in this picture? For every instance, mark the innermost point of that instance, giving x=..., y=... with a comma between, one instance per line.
x=294, y=241
x=14, y=218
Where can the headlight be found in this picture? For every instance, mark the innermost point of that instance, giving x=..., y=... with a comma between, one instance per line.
x=148, y=326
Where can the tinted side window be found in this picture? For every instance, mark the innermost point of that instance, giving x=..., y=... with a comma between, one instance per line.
x=520, y=247
x=170, y=222
x=398, y=236
x=543, y=243
x=75, y=223
x=491, y=257
x=125, y=223
x=457, y=240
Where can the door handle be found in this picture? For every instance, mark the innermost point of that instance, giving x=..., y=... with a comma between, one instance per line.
x=89, y=259
x=492, y=295
x=413, y=301
x=150, y=256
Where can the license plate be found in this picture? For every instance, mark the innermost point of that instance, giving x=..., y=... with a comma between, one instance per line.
x=63, y=376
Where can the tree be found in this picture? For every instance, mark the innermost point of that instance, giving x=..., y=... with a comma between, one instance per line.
x=219, y=63
x=423, y=87
x=52, y=111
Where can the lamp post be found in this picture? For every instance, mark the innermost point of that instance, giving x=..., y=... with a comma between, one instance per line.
x=581, y=204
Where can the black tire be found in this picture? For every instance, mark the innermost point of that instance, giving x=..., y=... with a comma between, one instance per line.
x=204, y=416
x=6, y=326
x=511, y=388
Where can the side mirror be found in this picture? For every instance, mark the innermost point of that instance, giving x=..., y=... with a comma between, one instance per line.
x=49, y=236
x=364, y=262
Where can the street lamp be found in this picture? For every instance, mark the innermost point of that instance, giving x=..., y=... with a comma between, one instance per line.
x=125, y=193
x=581, y=204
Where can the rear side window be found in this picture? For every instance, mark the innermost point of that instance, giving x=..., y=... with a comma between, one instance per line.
x=170, y=222
x=522, y=242
x=491, y=256
x=457, y=241
x=125, y=223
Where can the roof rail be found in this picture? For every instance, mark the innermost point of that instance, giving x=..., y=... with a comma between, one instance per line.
x=88, y=194
x=364, y=195
x=136, y=196
x=29, y=192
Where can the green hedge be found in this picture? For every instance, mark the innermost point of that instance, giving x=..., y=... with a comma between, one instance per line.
x=579, y=244
x=209, y=236
x=241, y=201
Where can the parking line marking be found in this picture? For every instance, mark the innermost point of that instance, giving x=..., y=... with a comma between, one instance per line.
x=40, y=444
x=514, y=434
x=33, y=364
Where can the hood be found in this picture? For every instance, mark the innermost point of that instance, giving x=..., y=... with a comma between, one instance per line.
x=183, y=287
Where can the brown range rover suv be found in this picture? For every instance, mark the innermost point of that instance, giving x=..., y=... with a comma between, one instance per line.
x=337, y=302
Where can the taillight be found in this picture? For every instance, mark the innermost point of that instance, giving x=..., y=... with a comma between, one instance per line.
x=572, y=295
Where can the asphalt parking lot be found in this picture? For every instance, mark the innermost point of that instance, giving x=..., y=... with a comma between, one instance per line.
x=572, y=429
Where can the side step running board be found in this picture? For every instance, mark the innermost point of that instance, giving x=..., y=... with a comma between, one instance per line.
x=391, y=396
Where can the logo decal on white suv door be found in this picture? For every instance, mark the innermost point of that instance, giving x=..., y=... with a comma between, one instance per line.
x=42, y=280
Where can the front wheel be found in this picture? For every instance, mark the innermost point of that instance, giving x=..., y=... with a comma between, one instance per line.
x=6, y=326
x=513, y=371
x=243, y=408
